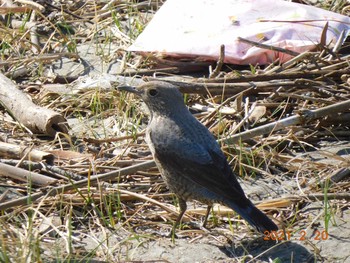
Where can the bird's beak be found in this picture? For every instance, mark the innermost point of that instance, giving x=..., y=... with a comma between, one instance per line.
x=129, y=89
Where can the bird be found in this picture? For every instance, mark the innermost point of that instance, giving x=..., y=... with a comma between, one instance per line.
x=189, y=158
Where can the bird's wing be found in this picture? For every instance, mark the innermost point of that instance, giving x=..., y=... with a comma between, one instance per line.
x=207, y=168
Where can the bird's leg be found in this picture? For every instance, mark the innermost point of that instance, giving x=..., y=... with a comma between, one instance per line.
x=183, y=208
x=207, y=215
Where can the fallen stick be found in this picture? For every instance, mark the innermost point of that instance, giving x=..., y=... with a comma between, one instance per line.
x=294, y=75
x=12, y=151
x=67, y=187
x=304, y=117
x=25, y=176
x=37, y=119
x=42, y=166
x=285, y=201
x=230, y=88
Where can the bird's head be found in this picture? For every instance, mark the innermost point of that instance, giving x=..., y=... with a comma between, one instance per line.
x=160, y=97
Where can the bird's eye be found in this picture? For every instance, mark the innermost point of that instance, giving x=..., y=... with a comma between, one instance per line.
x=153, y=92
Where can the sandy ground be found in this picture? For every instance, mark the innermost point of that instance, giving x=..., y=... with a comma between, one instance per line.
x=334, y=248
x=219, y=245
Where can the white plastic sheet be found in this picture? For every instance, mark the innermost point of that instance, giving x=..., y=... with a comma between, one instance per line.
x=197, y=28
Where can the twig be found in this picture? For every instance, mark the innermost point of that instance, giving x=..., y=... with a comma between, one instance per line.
x=264, y=46
x=51, y=169
x=304, y=116
x=314, y=197
x=302, y=74
x=25, y=176
x=63, y=188
x=66, y=11
x=40, y=58
x=231, y=88
x=99, y=141
x=32, y=4
x=148, y=199
x=220, y=63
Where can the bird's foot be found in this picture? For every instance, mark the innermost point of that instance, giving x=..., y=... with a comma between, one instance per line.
x=172, y=235
x=193, y=225
x=196, y=225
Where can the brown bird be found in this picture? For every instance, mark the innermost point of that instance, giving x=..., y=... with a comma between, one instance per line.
x=189, y=158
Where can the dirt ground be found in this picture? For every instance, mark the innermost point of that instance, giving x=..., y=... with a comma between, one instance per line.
x=218, y=244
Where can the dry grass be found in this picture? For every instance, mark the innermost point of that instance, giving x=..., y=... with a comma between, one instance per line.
x=294, y=166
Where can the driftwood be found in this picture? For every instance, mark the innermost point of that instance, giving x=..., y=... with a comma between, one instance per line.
x=12, y=151
x=37, y=119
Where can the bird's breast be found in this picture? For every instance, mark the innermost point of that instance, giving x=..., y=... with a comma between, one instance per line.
x=164, y=132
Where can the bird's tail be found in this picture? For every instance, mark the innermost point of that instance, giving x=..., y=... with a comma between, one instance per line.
x=254, y=217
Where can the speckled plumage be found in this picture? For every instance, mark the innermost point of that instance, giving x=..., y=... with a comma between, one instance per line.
x=189, y=158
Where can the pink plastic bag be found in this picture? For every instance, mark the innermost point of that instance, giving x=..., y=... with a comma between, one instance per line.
x=197, y=28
